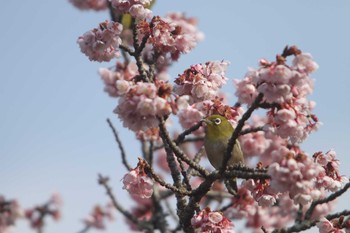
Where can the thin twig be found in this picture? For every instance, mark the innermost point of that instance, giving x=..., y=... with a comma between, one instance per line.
x=178, y=152
x=299, y=216
x=191, y=139
x=120, y=145
x=137, y=54
x=188, y=131
x=86, y=229
x=264, y=230
x=127, y=49
x=307, y=224
x=331, y=197
x=181, y=201
x=197, y=158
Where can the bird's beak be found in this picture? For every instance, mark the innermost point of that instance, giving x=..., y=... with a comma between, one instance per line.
x=205, y=120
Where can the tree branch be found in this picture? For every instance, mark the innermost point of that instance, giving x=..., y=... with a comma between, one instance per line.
x=188, y=131
x=120, y=145
x=331, y=197
x=177, y=151
x=159, y=180
x=238, y=129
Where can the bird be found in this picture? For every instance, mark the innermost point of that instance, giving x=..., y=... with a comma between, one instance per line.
x=217, y=135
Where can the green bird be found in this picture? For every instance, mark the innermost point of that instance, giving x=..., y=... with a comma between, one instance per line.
x=218, y=132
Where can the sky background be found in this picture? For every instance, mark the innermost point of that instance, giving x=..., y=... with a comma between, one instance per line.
x=53, y=133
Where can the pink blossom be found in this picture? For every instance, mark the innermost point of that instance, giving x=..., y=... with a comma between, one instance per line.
x=243, y=204
x=90, y=4
x=254, y=144
x=96, y=219
x=245, y=90
x=272, y=217
x=304, y=63
x=10, y=211
x=278, y=82
x=202, y=82
x=140, y=106
x=138, y=11
x=296, y=174
x=137, y=182
x=37, y=214
x=330, y=177
x=173, y=35
x=137, y=8
x=260, y=191
x=325, y=226
x=102, y=43
x=294, y=121
x=207, y=221
x=188, y=114
x=142, y=212
x=117, y=83
x=151, y=134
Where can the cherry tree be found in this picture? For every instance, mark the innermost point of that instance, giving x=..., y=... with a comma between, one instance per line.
x=281, y=187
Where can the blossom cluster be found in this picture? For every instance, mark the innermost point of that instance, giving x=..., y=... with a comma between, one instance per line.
x=10, y=211
x=138, y=183
x=340, y=225
x=96, y=219
x=37, y=214
x=140, y=106
x=207, y=221
x=330, y=177
x=136, y=8
x=202, y=81
x=90, y=4
x=143, y=212
x=286, y=88
x=304, y=178
x=117, y=83
x=102, y=43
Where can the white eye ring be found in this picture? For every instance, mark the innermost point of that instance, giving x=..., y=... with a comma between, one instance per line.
x=217, y=121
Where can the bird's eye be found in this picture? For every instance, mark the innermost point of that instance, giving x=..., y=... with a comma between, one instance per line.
x=217, y=121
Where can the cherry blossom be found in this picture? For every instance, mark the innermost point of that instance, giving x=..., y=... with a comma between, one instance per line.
x=96, y=219
x=137, y=182
x=296, y=173
x=37, y=214
x=142, y=212
x=137, y=8
x=202, y=81
x=330, y=178
x=207, y=221
x=117, y=83
x=243, y=204
x=140, y=106
x=168, y=37
x=261, y=192
x=90, y=4
x=10, y=211
x=273, y=217
x=102, y=43
x=326, y=226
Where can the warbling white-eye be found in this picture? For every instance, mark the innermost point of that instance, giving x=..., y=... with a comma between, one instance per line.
x=218, y=132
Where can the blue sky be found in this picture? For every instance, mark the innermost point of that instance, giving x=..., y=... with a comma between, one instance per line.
x=53, y=134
